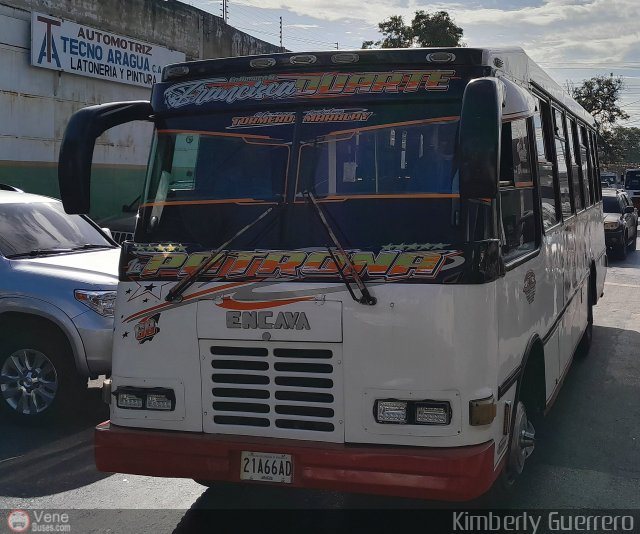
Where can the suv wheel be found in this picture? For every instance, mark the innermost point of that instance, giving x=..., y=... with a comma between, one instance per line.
x=621, y=249
x=38, y=379
x=632, y=245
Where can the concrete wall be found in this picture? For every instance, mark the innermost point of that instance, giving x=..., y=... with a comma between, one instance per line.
x=169, y=23
x=35, y=103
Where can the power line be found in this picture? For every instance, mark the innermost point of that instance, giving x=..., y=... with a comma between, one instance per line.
x=276, y=35
x=249, y=17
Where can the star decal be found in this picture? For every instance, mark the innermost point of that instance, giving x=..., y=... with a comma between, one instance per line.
x=128, y=291
x=126, y=334
x=147, y=291
x=145, y=300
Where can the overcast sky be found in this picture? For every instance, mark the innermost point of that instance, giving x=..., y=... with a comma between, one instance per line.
x=571, y=39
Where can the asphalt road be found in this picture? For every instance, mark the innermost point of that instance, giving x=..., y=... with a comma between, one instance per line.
x=587, y=453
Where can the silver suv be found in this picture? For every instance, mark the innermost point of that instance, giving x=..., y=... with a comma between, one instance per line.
x=58, y=279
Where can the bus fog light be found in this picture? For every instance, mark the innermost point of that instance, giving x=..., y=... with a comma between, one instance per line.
x=433, y=413
x=129, y=401
x=482, y=411
x=391, y=411
x=158, y=402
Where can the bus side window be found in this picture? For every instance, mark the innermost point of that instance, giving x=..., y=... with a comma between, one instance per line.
x=549, y=196
x=586, y=166
x=561, y=164
x=517, y=199
x=576, y=178
x=597, y=186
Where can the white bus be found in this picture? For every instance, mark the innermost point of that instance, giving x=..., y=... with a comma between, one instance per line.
x=365, y=271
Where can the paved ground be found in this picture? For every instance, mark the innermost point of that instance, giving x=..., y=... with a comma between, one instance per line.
x=587, y=452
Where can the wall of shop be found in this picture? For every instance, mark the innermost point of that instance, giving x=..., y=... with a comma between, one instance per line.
x=36, y=103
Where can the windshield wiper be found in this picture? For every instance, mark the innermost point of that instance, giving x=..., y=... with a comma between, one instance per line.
x=366, y=297
x=175, y=293
x=40, y=252
x=89, y=246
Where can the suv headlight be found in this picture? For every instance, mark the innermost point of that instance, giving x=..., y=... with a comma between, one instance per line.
x=102, y=302
x=611, y=225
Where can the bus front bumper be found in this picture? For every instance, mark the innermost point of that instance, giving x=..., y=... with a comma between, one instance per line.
x=455, y=474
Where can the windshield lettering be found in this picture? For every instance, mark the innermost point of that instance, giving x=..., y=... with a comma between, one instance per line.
x=296, y=264
x=284, y=86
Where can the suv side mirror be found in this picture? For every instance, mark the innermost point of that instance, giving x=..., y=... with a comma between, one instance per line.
x=479, y=138
x=629, y=209
x=76, y=152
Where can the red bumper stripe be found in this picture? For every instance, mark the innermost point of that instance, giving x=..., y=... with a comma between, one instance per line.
x=459, y=473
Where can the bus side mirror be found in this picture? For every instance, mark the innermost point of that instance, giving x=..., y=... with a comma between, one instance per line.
x=479, y=138
x=76, y=152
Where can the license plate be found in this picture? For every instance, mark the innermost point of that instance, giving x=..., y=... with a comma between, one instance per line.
x=266, y=467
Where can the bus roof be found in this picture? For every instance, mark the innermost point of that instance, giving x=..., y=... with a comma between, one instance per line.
x=512, y=63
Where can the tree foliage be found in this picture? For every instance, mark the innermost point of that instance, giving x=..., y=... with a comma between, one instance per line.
x=426, y=29
x=620, y=146
x=599, y=96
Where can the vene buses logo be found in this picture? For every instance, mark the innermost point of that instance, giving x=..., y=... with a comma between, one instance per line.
x=18, y=521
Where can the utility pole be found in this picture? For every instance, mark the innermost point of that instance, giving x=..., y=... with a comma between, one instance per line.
x=281, y=47
x=225, y=10
x=337, y=46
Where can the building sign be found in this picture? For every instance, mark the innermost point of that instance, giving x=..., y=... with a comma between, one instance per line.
x=69, y=47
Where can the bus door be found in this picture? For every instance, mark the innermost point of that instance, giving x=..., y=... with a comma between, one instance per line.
x=522, y=292
x=550, y=282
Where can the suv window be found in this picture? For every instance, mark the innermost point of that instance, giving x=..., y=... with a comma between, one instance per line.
x=611, y=204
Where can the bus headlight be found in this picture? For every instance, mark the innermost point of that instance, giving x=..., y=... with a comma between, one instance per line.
x=433, y=413
x=130, y=401
x=424, y=412
x=391, y=411
x=157, y=399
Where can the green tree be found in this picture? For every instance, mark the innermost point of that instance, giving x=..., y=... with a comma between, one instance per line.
x=620, y=145
x=426, y=29
x=600, y=96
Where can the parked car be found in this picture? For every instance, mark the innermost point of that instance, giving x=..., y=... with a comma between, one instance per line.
x=59, y=275
x=611, y=179
x=620, y=222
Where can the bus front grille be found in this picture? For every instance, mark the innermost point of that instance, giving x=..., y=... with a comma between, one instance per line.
x=275, y=389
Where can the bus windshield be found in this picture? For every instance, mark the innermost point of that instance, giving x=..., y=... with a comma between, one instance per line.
x=388, y=159
x=393, y=167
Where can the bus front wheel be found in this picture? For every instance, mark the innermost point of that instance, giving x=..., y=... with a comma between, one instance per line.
x=521, y=446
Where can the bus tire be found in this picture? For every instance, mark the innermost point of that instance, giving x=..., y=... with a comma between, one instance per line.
x=584, y=345
x=521, y=445
x=522, y=432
